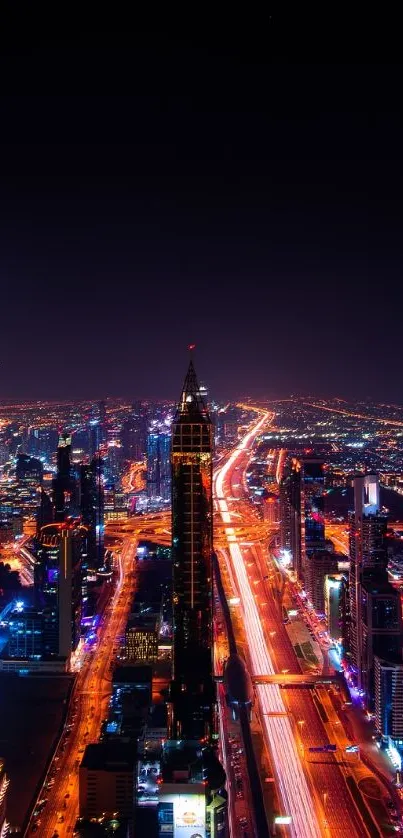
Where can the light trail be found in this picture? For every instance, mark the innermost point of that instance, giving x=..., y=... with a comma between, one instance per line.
x=291, y=781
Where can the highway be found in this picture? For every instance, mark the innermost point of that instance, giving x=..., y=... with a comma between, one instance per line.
x=317, y=800
x=88, y=708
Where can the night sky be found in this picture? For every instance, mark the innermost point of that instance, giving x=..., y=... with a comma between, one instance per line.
x=159, y=189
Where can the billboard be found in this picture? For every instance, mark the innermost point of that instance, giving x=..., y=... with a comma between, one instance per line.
x=189, y=816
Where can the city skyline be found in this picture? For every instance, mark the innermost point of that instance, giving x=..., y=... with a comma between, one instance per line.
x=201, y=586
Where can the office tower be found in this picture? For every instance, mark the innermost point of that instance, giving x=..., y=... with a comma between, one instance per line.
x=92, y=509
x=94, y=438
x=57, y=586
x=134, y=432
x=114, y=464
x=192, y=692
x=368, y=552
x=380, y=627
x=141, y=638
x=158, y=464
x=319, y=565
x=336, y=600
x=64, y=485
x=270, y=503
x=302, y=506
x=389, y=701
x=25, y=627
x=312, y=509
x=45, y=512
x=285, y=514
x=41, y=442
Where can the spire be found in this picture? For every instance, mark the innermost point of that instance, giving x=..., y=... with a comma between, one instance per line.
x=191, y=404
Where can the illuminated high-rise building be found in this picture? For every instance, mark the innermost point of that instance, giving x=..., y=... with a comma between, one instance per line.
x=368, y=554
x=58, y=586
x=158, y=464
x=302, y=504
x=92, y=509
x=192, y=690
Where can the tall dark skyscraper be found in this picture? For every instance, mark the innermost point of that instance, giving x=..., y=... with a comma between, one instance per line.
x=375, y=625
x=158, y=463
x=92, y=509
x=64, y=485
x=192, y=690
x=302, y=503
x=57, y=585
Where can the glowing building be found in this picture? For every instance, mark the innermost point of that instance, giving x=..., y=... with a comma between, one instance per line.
x=389, y=701
x=368, y=554
x=302, y=503
x=92, y=509
x=158, y=464
x=192, y=695
x=57, y=585
x=192, y=801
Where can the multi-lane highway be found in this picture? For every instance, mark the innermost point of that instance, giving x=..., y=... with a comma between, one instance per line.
x=88, y=708
x=316, y=797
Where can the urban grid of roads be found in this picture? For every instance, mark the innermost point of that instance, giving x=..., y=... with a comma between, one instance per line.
x=311, y=795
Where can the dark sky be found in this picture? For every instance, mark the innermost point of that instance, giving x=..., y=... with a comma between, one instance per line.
x=158, y=188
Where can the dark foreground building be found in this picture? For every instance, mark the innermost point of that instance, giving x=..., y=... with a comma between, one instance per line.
x=192, y=696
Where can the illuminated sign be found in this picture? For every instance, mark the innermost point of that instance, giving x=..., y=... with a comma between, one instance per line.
x=283, y=819
x=189, y=816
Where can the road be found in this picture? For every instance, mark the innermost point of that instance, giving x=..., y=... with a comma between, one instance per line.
x=88, y=708
x=316, y=797
x=364, y=416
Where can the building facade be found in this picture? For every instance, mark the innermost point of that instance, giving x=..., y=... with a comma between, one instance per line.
x=368, y=555
x=92, y=510
x=389, y=700
x=192, y=691
x=58, y=586
x=158, y=464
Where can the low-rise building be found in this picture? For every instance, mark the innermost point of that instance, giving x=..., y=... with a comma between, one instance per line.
x=106, y=780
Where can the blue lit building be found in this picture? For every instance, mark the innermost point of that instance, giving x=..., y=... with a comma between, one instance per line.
x=92, y=510
x=302, y=505
x=25, y=627
x=158, y=464
x=58, y=586
x=389, y=705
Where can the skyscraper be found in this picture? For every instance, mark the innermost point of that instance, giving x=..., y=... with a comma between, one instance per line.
x=192, y=690
x=57, y=580
x=302, y=526
x=64, y=485
x=158, y=464
x=92, y=509
x=380, y=627
x=368, y=552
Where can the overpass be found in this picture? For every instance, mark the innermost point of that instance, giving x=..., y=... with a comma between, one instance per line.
x=286, y=679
